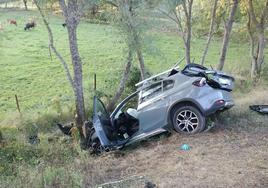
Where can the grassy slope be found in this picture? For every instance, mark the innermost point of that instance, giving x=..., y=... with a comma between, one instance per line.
x=26, y=69
x=232, y=154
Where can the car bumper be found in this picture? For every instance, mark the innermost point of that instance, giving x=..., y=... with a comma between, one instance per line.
x=219, y=107
x=229, y=104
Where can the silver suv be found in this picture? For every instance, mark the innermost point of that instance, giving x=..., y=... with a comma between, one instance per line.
x=174, y=99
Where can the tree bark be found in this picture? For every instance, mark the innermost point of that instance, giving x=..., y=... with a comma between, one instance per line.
x=141, y=63
x=78, y=76
x=123, y=81
x=252, y=47
x=187, y=39
x=25, y=4
x=227, y=33
x=211, y=31
x=72, y=19
x=257, y=55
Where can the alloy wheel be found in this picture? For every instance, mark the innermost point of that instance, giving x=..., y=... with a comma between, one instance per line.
x=187, y=121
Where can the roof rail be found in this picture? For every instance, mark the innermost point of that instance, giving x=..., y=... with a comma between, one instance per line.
x=151, y=78
x=176, y=66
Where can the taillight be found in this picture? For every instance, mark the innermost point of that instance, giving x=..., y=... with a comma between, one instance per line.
x=200, y=82
x=219, y=102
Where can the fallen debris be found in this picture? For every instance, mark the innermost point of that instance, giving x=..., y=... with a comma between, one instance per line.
x=66, y=129
x=209, y=127
x=133, y=182
x=262, y=109
x=185, y=147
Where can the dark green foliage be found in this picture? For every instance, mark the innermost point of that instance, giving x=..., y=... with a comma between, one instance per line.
x=134, y=77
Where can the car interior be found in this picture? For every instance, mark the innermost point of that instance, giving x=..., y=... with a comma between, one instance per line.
x=124, y=125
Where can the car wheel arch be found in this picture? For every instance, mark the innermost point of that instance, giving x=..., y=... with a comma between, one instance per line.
x=183, y=103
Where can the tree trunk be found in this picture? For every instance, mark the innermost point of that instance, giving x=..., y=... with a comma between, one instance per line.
x=141, y=63
x=261, y=46
x=211, y=30
x=187, y=39
x=252, y=47
x=94, y=10
x=123, y=81
x=127, y=14
x=78, y=79
x=25, y=4
x=138, y=48
x=257, y=55
x=72, y=18
x=71, y=14
x=227, y=33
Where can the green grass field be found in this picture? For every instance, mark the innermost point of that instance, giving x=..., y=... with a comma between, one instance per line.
x=27, y=70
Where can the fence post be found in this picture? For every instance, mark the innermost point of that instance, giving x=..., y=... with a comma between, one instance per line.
x=17, y=103
x=95, y=82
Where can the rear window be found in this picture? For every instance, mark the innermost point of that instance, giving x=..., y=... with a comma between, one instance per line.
x=168, y=84
x=156, y=89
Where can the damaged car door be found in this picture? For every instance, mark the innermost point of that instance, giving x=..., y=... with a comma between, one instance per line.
x=153, y=105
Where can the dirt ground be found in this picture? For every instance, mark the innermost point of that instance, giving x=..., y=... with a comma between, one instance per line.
x=221, y=158
x=229, y=155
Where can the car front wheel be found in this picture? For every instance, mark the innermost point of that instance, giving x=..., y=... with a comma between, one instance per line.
x=188, y=120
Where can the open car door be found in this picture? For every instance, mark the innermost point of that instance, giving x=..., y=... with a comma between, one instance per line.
x=101, y=122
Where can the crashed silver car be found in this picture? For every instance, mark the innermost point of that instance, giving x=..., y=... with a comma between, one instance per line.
x=179, y=100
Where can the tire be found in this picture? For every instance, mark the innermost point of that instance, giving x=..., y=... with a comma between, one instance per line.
x=187, y=120
x=95, y=144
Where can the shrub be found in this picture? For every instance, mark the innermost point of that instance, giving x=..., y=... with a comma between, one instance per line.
x=134, y=77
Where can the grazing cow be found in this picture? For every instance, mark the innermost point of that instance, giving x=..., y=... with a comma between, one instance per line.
x=12, y=22
x=29, y=25
x=1, y=27
x=64, y=25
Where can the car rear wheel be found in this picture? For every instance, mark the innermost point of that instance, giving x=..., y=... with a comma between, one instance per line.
x=188, y=120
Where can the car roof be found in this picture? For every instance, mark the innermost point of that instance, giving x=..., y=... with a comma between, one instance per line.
x=169, y=74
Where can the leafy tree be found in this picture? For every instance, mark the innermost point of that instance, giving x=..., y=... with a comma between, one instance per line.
x=129, y=23
x=180, y=11
x=72, y=13
x=211, y=30
x=257, y=14
x=129, y=20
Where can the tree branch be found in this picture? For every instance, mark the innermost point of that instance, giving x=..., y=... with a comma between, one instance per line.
x=166, y=14
x=264, y=13
x=51, y=45
x=252, y=13
x=211, y=32
x=177, y=20
x=123, y=81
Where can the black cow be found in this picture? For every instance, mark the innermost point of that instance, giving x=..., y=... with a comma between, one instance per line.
x=29, y=25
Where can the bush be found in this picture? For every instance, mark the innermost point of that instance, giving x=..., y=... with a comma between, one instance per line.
x=134, y=77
